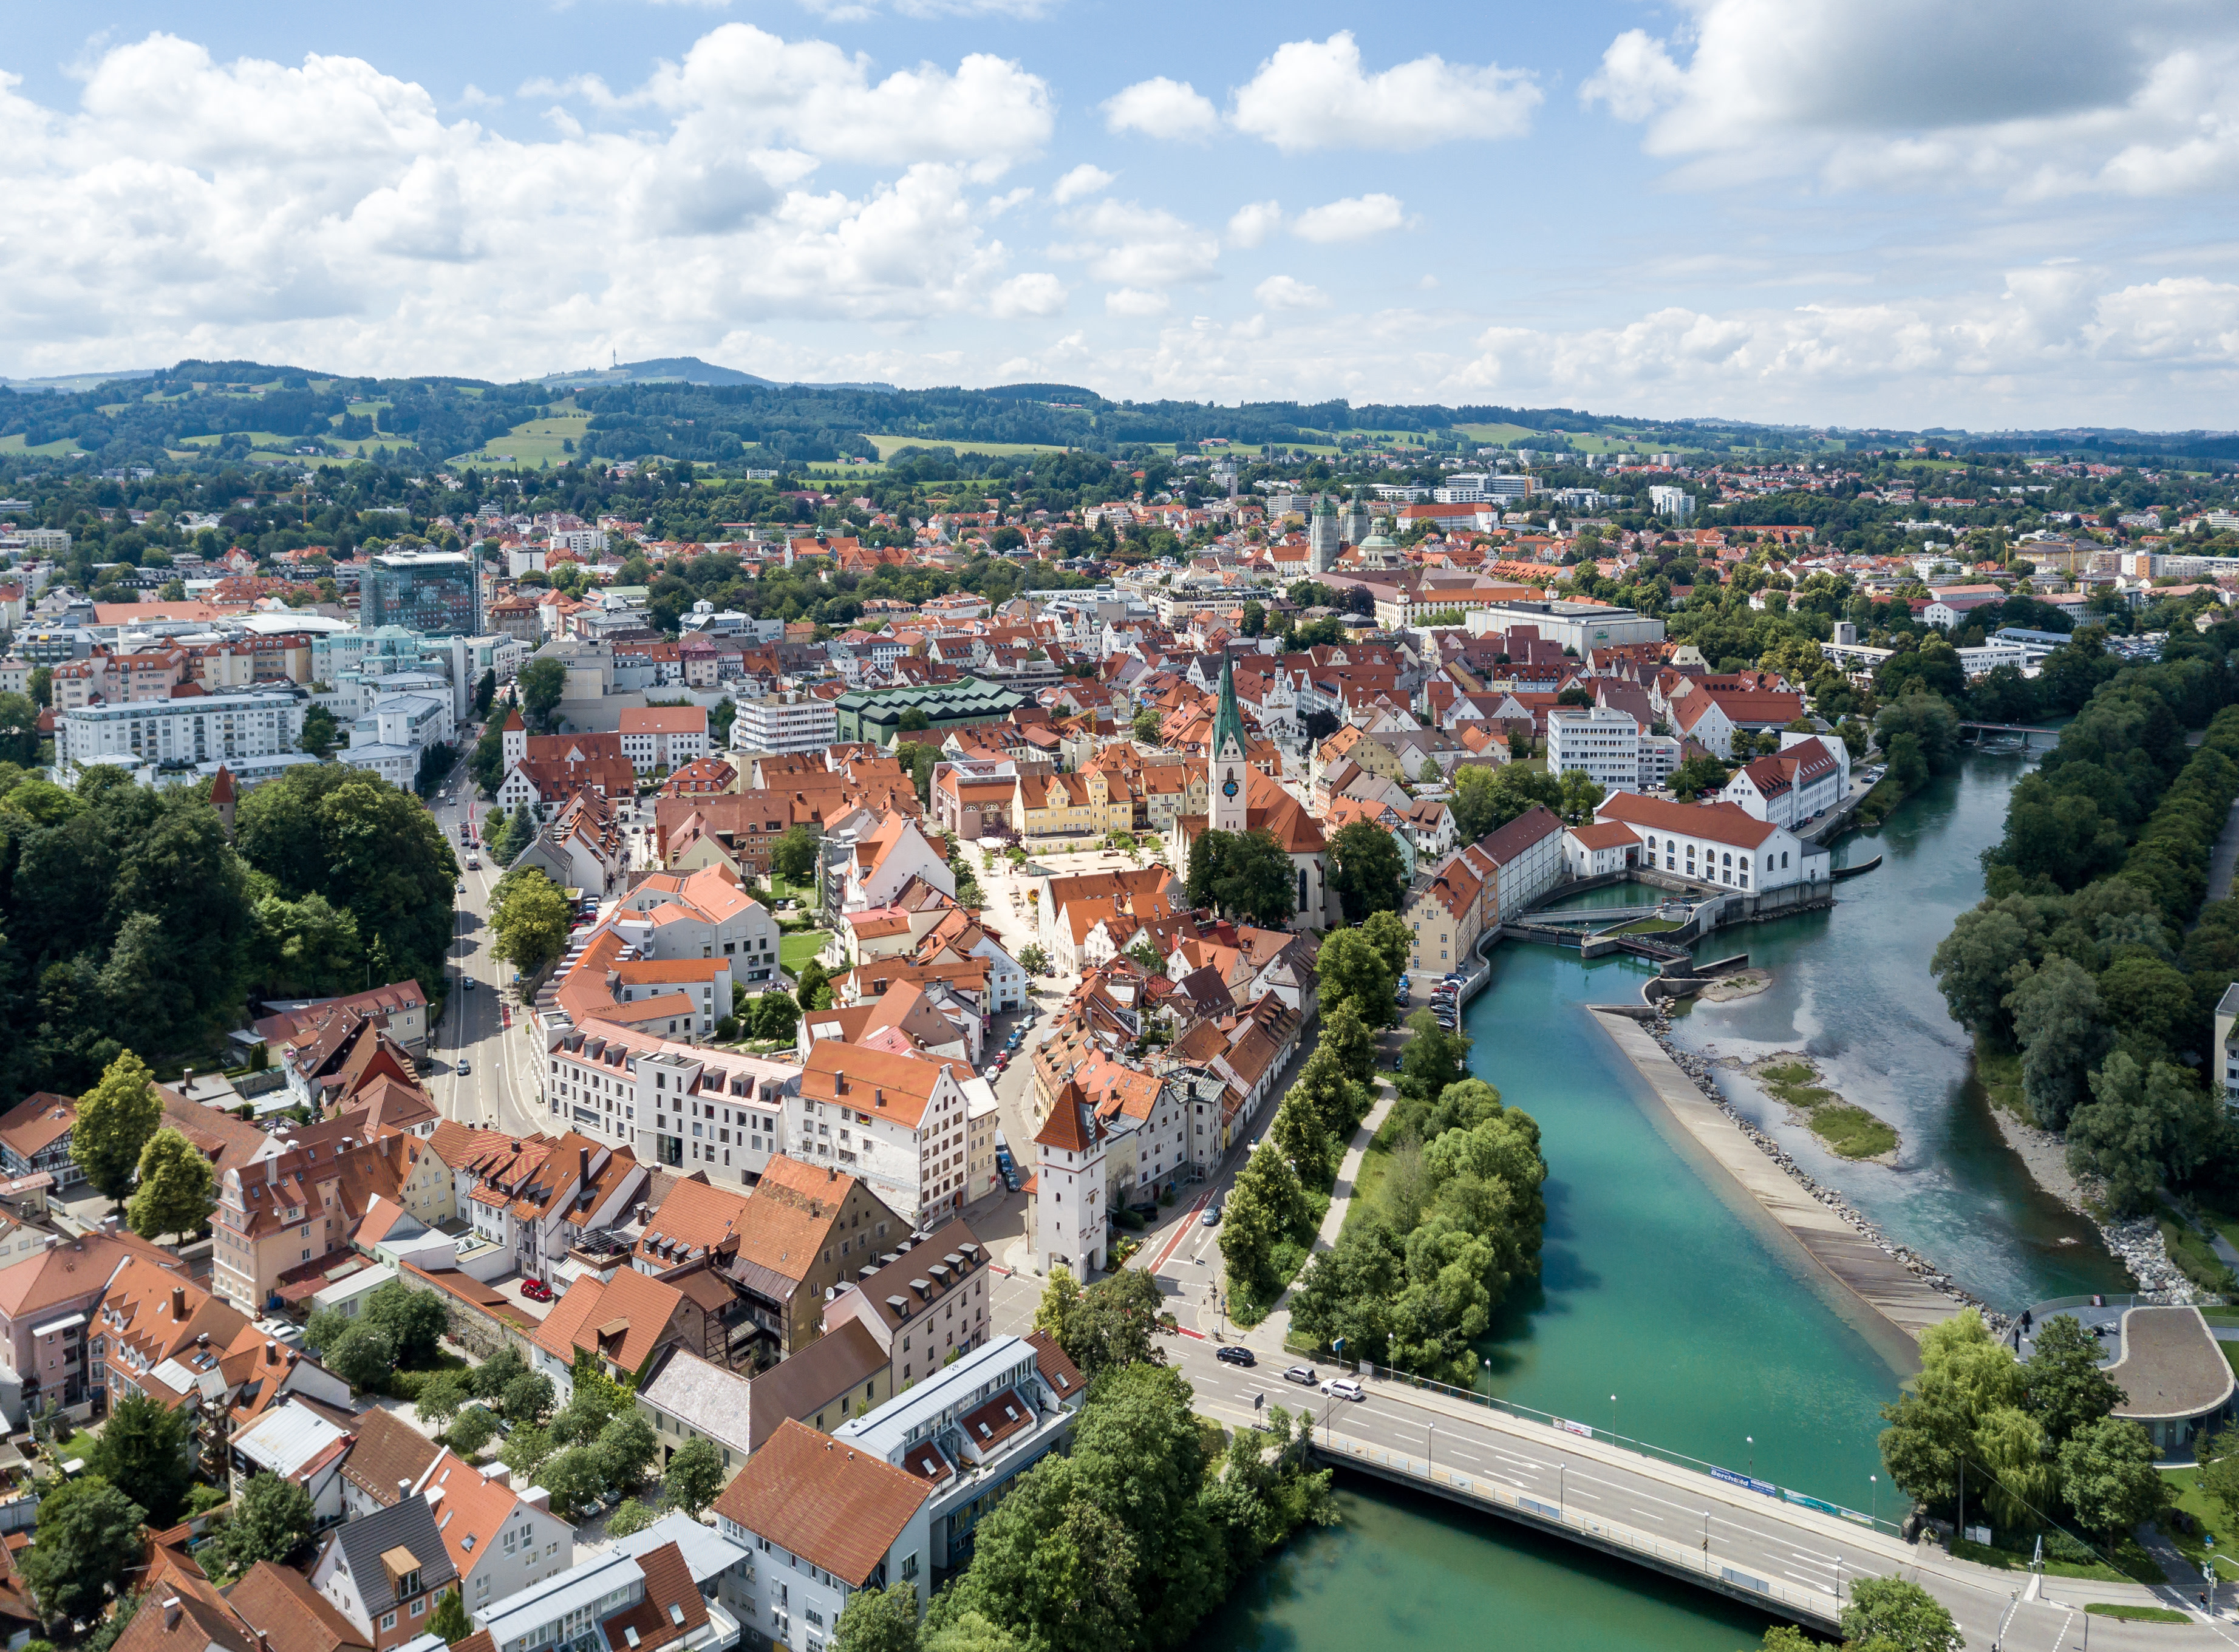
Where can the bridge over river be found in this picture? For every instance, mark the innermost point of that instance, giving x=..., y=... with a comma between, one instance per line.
x=1719, y=1529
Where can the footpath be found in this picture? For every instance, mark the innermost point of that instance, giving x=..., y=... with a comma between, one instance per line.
x=1270, y=1334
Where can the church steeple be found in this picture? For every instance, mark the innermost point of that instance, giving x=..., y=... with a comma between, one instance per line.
x=1229, y=771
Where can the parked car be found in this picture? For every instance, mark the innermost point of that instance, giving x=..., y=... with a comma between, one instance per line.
x=1011, y=1180
x=1343, y=1388
x=1147, y=1209
x=1231, y=1354
x=1303, y=1376
x=536, y=1290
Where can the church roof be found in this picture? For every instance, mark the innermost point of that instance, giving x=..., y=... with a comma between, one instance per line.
x=1228, y=720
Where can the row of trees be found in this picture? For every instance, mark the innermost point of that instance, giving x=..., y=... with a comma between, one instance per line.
x=1276, y=1204
x=2078, y=960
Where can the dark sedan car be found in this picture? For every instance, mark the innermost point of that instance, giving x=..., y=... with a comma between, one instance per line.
x=1233, y=1354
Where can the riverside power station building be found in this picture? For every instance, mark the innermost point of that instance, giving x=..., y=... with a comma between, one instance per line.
x=876, y=715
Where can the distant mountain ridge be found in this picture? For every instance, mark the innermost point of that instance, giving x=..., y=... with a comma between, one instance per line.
x=689, y=370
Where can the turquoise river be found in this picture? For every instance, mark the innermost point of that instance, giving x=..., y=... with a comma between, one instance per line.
x=1665, y=1301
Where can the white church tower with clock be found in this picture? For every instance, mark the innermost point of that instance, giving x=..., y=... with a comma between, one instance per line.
x=1230, y=779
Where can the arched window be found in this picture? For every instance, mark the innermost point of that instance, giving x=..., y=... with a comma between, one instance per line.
x=1729, y=856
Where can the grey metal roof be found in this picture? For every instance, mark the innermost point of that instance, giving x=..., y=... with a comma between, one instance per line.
x=410, y=1524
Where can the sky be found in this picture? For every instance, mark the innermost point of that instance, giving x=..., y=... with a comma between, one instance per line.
x=2002, y=212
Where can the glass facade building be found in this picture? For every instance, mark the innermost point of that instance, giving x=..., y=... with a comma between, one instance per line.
x=437, y=593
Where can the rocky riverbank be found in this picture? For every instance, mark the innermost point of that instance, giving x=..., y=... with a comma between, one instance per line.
x=2136, y=1244
x=1698, y=1072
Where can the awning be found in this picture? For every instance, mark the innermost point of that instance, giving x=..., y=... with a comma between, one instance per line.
x=55, y=1327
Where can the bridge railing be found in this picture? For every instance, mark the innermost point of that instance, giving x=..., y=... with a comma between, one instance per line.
x=1818, y=1606
x=1719, y=1472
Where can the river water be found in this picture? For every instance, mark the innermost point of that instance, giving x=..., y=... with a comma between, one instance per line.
x=1663, y=1287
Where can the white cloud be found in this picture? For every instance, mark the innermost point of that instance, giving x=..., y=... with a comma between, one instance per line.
x=1314, y=95
x=2029, y=98
x=1131, y=300
x=1253, y=224
x=1137, y=246
x=1083, y=180
x=475, y=97
x=1286, y=292
x=742, y=86
x=325, y=211
x=1000, y=204
x=1355, y=218
x=1162, y=108
x=1637, y=77
x=856, y=10
x=1036, y=294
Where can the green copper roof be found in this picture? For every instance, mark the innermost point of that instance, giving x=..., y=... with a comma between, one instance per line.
x=1228, y=720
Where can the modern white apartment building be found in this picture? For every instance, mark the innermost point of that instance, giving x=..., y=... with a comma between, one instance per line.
x=1675, y=502
x=784, y=723
x=197, y=728
x=1601, y=742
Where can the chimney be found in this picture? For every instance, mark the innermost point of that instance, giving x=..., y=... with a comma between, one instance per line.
x=178, y=1302
x=272, y=1353
x=878, y=1098
x=831, y=1172
x=403, y=1490
x=171, y=1611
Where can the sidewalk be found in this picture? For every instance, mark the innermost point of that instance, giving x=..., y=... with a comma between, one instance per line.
x=1275, y=1329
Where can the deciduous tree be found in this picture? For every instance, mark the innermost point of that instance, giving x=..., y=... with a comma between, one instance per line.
x=114, y=1120
x=2059, y=1022
x=878, y=1620
x=1366, y=870
x=88, y=1537
x=175, y=1193
x=2108, y=1474
x=144, y=1452
x=272, y=1518
x=693, y=1477
x=1893, y=1615
x=528, y=920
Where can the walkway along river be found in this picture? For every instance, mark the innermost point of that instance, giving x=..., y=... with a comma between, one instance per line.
x=1665, y=1287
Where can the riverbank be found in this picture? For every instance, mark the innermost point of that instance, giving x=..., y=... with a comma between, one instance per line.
x=1905, y=1289
x=2137, y=1244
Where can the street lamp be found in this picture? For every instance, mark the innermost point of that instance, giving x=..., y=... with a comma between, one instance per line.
x=1751, y=1441
x=1613, y=1434
x=1873, y=1498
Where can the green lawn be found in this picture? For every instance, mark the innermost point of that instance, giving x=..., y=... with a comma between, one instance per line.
x=794, y=951
x=888, y=446
x=2135, y=1614
x=2184, y=1490
x=538, y=443
x=2137, y=1566
x=45, y=449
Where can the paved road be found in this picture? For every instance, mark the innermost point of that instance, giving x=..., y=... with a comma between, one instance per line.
x=1629, y=1501
x=1632, y=1502
x=499, y=1086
